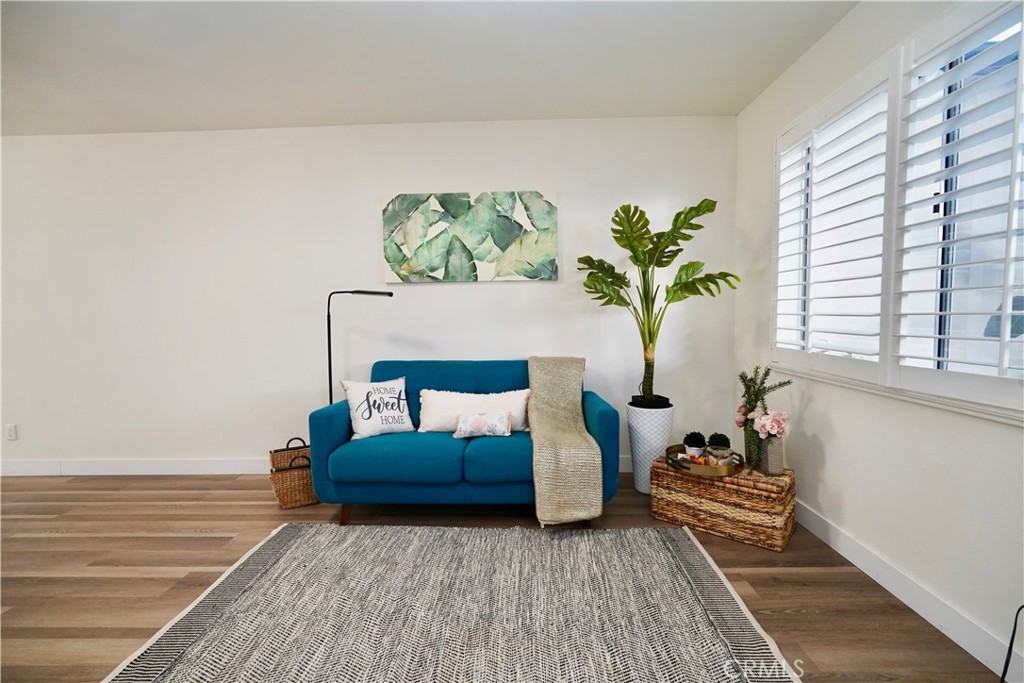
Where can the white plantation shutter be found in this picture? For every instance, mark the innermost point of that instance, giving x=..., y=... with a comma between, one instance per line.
x=959, y=283
x=831, y=205
x=794, y=214
x=900, y=240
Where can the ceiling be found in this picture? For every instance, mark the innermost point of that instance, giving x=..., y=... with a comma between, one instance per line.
x=111, y=67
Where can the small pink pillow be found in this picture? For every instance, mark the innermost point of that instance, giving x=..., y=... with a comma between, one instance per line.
x=483, y=424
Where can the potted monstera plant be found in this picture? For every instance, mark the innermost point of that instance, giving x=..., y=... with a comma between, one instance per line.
x=649, y=415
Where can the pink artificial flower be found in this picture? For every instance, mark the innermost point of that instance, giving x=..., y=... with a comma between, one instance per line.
x=772, y=423
x=741, y=409
x=780, y=423
x=740, y=420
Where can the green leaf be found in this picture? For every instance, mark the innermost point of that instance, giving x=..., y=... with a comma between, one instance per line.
x=460, y=266
x=632, y=232
x=532, y=255
x=454, y=203
x=683, y=220
x=506, y=202
x=689, y=270
x=422, y=277
x=504, y=231
x=417, y=225
x=605, y=269
x=687, y=283
x=393, y=254
x=474, y=228
x=545, y=270
x=665, y=247
x=542, y=214
x=431, y=256
x=398, y=211
x=395, y=257
x=604, y=290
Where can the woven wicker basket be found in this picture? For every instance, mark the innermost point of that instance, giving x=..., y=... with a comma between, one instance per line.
x=747, y=507
x=291, y=476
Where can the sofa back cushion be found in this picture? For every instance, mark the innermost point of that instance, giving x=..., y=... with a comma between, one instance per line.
x=466, y=376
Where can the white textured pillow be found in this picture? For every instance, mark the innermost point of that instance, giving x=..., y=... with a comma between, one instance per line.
x=378, y=407
x=440, y=410
x=483, y=424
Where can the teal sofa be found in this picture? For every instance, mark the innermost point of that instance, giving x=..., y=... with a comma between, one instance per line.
x=435, y=467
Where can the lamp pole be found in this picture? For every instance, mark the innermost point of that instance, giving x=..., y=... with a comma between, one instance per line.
x=330, y=356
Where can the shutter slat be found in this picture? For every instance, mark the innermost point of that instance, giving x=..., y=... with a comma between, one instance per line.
x=873, y=179
x=966, y=264
x=948, y=360
x=951, y=337
x=854, y=120
x=930, y=64
x=983, y=212
x=822, y=177
x=960, y=240
x=964, y=70
x=973, y=115
x=845, y=139
x=963, y=144
x=941, y=290
x=960, y=193
x=990, y=159
x=865, y=200
x=802, y=159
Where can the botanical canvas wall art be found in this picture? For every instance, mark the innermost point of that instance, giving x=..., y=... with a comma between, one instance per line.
x=471, y=237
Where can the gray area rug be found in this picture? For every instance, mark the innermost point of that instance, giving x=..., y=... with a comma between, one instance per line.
x=318, y=603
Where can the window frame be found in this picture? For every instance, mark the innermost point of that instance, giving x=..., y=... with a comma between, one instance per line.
x=993, y=397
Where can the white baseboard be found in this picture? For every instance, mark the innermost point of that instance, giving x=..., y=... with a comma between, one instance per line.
x=80, y=468
x=30, y=468
x=984, y=646
x=625, y=462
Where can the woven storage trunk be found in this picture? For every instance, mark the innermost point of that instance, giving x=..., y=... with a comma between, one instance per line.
x=291, y=476
x=750, y=508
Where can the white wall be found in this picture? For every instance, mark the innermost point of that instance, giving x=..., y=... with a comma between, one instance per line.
x=164, y=294
x=915, y=491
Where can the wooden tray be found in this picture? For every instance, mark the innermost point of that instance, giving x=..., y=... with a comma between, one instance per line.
x=695, y=469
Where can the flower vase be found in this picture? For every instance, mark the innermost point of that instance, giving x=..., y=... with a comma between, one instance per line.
x=751, y=446
x=771, y=456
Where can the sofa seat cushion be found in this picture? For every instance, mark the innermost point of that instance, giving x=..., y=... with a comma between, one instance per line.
x=402, y=458
x=500, y=459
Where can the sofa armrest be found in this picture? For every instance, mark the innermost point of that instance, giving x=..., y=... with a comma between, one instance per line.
x=602, y=422
x=329, y=427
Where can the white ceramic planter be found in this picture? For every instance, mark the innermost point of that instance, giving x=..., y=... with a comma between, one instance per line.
x=650, y=430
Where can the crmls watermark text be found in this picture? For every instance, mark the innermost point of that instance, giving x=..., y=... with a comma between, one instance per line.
x=739, y=669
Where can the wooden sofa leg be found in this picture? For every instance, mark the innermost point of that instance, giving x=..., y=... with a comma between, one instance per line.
x=346, y=512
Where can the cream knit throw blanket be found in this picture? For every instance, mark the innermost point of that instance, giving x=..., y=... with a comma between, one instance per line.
x=566, y=459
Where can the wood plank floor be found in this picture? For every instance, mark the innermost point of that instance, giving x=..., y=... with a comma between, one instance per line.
x=92, y=567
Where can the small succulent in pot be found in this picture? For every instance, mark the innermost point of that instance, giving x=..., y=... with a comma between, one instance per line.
x=719, y=441
x=695, y=443
x=720, y=449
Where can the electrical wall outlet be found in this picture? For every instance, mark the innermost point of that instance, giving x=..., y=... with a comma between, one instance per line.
x=11, y=432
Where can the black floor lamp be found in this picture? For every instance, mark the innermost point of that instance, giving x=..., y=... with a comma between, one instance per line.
x=330, y=357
